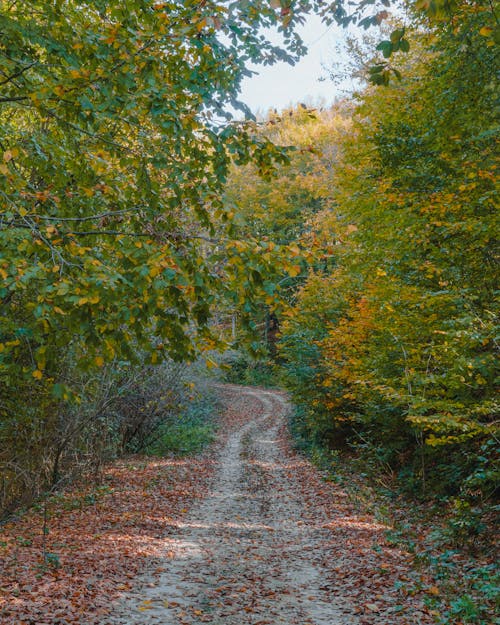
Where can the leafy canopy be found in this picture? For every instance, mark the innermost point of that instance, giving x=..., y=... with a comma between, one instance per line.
x=115, y=142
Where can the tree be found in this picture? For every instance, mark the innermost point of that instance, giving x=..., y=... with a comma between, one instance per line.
x=115, y=142
x=280, y=210
x=404, y=363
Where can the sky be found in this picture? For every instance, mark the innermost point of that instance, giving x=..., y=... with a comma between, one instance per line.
x=278, y=86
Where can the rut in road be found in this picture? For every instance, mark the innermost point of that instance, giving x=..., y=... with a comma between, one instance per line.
x=246, y=554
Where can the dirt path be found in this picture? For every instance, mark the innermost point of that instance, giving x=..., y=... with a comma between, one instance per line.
x=247, y=533
x=246, y=553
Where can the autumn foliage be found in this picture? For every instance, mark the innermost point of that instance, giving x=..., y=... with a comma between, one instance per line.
x=402, y=364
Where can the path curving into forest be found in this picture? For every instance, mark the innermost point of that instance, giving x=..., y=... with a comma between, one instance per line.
x=272, y=541
x=246, y=553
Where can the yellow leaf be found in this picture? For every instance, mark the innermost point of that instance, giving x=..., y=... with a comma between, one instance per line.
x=59, y=310
x=99, y=361
x=82, y=301
x=239, y=245
x=37, y=374
x=486, y=31
x=110, y=350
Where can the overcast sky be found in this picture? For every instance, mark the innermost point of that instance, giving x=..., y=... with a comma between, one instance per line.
x=278, y=86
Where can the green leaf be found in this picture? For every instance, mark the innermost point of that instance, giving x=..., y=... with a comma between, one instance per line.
x=386, y=47
x=404, y=45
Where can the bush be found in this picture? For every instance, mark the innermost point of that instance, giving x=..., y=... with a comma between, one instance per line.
x=187, y=433
x=46, y=440
x=240, y=368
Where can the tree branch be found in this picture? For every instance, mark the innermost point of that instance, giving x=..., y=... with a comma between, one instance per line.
x=16, y=99
x=90, y=217
x=18, y=73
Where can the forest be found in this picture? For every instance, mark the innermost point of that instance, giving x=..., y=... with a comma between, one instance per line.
x=156, y=239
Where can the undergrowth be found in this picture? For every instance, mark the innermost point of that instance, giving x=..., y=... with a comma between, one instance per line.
x=239, y=368
x=189, y=433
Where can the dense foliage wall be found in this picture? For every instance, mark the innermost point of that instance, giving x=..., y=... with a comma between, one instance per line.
x=394, y=351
